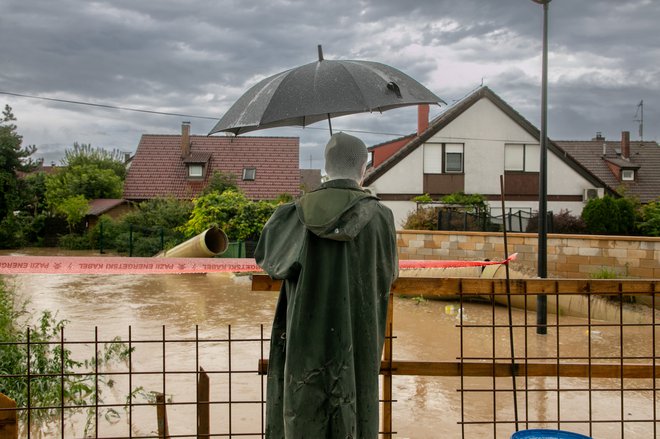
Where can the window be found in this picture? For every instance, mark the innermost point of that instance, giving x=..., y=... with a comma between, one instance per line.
x=195, y=170
x=628, y=175
x=440, y=158
x=433, y=158
x=453, y=158
x=249, y=174
x=522, y=157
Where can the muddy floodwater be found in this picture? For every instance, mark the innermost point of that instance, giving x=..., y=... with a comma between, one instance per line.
x=425, y=407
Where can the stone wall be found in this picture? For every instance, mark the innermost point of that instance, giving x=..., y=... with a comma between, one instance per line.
x=569, y=256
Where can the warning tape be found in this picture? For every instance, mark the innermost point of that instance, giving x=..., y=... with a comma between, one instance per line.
x=125, y=265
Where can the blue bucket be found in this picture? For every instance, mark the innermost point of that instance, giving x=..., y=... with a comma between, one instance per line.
x=547, y=434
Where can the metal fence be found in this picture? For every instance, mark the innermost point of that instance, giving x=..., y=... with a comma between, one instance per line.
x=596, y=376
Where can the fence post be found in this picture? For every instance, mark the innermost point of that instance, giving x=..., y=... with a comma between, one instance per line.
x=8, y=418
x=387, y=374
x=100, y=236
x=161, y=416
x=130, y=240
x=203, y=398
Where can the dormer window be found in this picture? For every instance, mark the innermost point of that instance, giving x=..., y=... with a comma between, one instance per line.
x=249, y=174
x=628, y=175
x=196, y=164
x=195, y=170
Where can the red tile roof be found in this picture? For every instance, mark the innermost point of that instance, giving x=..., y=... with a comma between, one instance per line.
x=644, y=156
x=158, y=170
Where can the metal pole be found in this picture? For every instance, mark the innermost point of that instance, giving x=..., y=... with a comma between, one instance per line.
x=541, y=299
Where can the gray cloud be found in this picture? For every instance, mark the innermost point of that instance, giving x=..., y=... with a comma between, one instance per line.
x=198, y=57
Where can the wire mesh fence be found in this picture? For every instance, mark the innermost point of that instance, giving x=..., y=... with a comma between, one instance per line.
x=595, y=372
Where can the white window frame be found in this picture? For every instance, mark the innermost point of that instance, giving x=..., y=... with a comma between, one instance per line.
x=628, y=175
x=195, y=167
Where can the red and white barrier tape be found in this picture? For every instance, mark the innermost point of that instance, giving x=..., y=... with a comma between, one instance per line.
x=125, y=265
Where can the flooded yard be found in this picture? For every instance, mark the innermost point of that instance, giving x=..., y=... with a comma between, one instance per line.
x=425, y=407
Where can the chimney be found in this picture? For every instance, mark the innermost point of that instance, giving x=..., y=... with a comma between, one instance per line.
x=185, y=139
x=625, y=145
x=599, y=136
x=422, y=118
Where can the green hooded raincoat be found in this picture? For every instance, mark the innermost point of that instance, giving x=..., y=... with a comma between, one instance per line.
x=335, y=250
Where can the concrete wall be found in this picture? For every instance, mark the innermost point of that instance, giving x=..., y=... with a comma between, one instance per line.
x=569, y=256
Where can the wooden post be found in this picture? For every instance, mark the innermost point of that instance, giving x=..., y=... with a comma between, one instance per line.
x=8, y=419
x=161, y=415
x=387, y=374
x=203, y=394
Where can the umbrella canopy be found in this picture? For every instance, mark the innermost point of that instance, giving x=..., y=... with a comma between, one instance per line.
x=322, y=90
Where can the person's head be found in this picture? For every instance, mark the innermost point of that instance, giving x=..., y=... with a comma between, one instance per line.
x=345, y=157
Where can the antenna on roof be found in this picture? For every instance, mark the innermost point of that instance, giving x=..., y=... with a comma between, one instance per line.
x=640, y=119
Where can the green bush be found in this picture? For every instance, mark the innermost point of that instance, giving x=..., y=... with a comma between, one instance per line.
x=649, y=222
x=75, y=242
x=231, y=211
x=426, y=198
x=610, y=216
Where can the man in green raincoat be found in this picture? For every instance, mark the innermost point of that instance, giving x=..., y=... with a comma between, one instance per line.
x=335, y=250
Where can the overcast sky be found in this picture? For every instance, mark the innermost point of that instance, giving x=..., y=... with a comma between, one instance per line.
x=196, y=57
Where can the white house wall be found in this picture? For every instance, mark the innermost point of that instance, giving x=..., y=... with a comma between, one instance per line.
x=406, y=177
x=484, y=130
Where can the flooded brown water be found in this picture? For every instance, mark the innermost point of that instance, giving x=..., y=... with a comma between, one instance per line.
x=425, y=407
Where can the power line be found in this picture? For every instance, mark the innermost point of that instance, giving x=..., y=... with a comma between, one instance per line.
x=163, y=113
x=111, y=107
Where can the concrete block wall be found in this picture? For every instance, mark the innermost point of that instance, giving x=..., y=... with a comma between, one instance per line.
x=569, y=256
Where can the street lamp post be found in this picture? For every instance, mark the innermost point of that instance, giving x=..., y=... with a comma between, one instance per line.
x=541, y=299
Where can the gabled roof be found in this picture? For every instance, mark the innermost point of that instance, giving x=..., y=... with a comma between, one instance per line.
x=645, y=156
x=100, y=206
x=158, y=170
x=455, y=111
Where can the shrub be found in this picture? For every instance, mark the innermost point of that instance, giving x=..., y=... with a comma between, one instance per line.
x=426, y=198
x=74, y=242
x=609, y=216
x=231, y=211
x=649, y=222
x=476, y=201
x=562, y=222
x=424, y=218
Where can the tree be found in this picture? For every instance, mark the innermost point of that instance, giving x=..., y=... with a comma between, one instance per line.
x=74, y=209
x=13, y=158
x=610, y=216
x=90, y=172
x=240, y=218
x=84, y=154
x=650, y=219
x=220, y=182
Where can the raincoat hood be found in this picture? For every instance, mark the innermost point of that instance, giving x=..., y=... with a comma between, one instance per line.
x=336, y=210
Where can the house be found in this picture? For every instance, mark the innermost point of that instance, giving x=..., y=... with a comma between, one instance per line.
x=181, y=165
x=114, y=208
x=630, y=166
x=466, y=149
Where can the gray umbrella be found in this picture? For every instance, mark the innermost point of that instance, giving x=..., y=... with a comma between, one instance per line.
x=322, y=90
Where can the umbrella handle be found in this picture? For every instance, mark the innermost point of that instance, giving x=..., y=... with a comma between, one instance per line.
x=330, y=124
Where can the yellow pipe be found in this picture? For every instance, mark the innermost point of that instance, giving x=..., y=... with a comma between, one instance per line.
x=209, y=243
